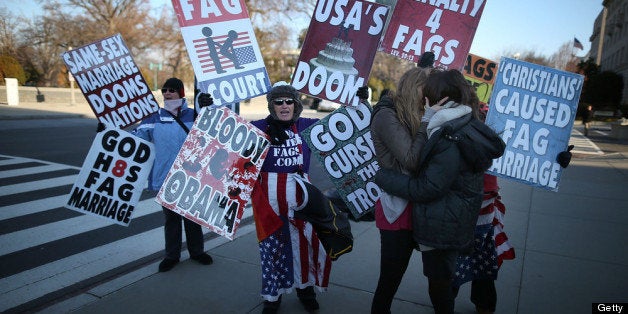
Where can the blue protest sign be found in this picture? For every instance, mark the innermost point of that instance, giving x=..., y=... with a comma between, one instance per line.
x=532, y=108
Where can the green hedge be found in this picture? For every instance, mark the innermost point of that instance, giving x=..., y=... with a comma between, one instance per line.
x=10, y=68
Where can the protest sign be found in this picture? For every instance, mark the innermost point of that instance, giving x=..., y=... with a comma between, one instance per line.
x=480, y=72
x=113, y=176
x=213, y=175
x=111, y=82
x=446, y=28
x=532, y=108
x=338, y=51
x=342, y=143
x=223, y=49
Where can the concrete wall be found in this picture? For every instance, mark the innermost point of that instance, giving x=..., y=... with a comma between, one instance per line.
x=53, y=95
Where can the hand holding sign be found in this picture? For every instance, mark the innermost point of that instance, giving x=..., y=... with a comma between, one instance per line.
x=564, y=157
x=205, y=100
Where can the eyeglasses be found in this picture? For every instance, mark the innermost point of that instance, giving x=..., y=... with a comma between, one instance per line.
x=279, y=102
x=169, y=90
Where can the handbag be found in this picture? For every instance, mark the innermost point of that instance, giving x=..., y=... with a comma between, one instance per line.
x=331, y=225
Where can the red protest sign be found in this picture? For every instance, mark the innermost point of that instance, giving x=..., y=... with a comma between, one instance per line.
x=339, y=49
x=445, y=28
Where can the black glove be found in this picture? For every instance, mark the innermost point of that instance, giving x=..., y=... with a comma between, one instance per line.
x=426, y=60
x=564, y=158
x=205, y=100
x=363, y=92
x=101, y=127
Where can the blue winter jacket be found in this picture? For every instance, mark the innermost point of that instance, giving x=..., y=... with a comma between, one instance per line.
x=162, y=129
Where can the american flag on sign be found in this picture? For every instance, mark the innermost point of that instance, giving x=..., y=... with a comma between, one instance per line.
x=242, y=48
x=491, y=245
x=292, y=256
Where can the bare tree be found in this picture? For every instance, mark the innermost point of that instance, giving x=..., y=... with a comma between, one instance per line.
x=9, y=28
x=527, y=56
x=564, y=58
x=91, y=20
x=75, y=23
x=168, y=49
x=264, y=11
x=40, y=49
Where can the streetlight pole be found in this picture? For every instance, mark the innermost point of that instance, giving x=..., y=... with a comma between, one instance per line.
x=156, y=67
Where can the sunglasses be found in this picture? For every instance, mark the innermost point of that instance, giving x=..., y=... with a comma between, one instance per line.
x=279, y=102
x=169, y=90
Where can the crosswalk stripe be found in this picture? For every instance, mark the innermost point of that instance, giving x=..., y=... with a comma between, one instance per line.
x=36, y=185
x=36, y=206
x=30, y=237
x=37, y=282
x=31, y=170
x=48, y=276
x=583, y=145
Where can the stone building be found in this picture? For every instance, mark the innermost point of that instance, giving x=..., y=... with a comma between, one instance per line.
x=609, y=40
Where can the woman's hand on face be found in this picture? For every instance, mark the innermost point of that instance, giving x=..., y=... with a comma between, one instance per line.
x=437, y=106
x=430, y=111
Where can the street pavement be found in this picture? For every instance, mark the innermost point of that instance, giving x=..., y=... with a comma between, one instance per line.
x=568, y=250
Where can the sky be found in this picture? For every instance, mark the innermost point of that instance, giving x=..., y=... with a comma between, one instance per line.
x=506, y=26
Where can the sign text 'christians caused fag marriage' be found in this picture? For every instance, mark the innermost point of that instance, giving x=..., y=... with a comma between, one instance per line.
x=533, y=108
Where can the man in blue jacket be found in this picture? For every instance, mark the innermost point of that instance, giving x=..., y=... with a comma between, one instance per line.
x=167, y=129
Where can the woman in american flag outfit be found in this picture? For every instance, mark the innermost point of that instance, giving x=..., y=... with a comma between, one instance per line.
x=291, y=253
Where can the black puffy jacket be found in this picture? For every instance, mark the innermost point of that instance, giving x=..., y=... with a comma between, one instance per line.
x=447, y=193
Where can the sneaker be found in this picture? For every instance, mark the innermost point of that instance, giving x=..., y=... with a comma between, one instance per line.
x=204, y=259
x=167, y=264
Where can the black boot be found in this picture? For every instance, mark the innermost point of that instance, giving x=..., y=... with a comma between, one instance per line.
x=271, y=307
x=307, y=297
x=441, y=295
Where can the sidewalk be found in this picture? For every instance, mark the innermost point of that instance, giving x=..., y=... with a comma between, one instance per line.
x=568, y=245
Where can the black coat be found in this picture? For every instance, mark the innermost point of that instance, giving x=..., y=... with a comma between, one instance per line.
x=447, y=193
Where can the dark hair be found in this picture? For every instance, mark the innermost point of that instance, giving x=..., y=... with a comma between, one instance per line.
x=385, y=92
x=175, y=84
x=452, y=84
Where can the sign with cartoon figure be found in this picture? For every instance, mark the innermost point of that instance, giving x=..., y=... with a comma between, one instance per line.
x=213, y=175
x=113, y=176
x=532, y=108
x=223, y=49
x=446, y=28
x=480, y=72
x=342, y=143
x=338, y=51
x=111, y=82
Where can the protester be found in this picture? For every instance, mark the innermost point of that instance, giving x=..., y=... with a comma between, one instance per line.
x=491, y=246
x=290, y=250
x=447, y=192
x=398, y=137
x=167, y=129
